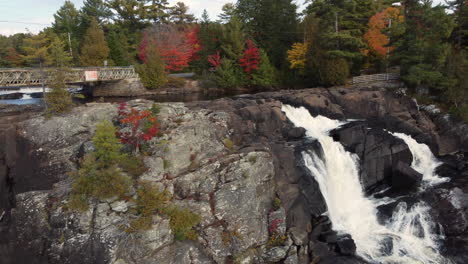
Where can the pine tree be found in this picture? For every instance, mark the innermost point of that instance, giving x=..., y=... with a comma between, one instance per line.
x=96, y=9
x=233, y=39
x=272, y=24
x=67, y=26
x=342, y=24
x=118, y=48
x=36, y=50
x=179, y=15
x=152, y=72
x=93, y=9
x=130, y=14
x=265, y=76
x=421, y=46
x=205, y=17
x=157, y=10
x=229, y=10
x=95, y=50
x=58, y=100
x=59, y=57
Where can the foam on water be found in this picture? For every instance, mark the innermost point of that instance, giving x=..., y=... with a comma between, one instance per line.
x=424, y=161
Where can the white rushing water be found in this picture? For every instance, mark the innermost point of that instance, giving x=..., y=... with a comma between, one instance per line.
x=406, y=238
x=424, y=161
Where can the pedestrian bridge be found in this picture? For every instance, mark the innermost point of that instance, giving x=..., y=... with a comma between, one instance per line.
x=19, y=77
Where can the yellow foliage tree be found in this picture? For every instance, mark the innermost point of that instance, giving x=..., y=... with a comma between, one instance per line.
x=297, y=56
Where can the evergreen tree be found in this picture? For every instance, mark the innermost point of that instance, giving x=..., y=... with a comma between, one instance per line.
x=94, y=50
x=59, y=57
x=179, y=15
x=229, y=10
x=265, y=76
x=421, y=46
x=157, y=10
x=233, y=39
x=152, y=72
x=36, y=50
x=130, y=14
x=67, y=25
x=58, y=100
x=229, y=75
x=273, y=25
x=342, y=26
x=460, y=32
x=205, y=18
x=118, y=48
x=93, y=9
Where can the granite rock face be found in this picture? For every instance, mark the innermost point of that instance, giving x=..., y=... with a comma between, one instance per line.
x=234, y=161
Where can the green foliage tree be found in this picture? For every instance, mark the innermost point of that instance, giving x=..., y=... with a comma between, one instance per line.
x=36, y=50
x=233, y=39
x=58, y=100
x=334, y=72
x=99, y=176
x=93, y=9
x=342, y=26
x=230, y=75
x=273, y=25
x=67, y=26
x=118, y=48
x=107, y=144
x=265, y=76
x=421, y=46
x=228, y=11
x=94, y=50
x=58, y=56
x=179, y=15
x=152, y=72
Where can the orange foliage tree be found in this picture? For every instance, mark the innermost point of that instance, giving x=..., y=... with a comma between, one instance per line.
x=375, y=36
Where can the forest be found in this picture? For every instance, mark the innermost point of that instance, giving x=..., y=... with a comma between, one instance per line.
x=262, y=44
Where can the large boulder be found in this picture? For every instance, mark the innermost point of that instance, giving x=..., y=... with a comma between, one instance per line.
x=405, y=178
x=379, y=152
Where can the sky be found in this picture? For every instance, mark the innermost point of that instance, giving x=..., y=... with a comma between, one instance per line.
x=33, y=15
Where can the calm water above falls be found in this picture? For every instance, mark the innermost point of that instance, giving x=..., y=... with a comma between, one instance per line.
x=408, y=237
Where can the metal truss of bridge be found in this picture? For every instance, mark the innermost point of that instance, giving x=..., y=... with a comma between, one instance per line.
x=35, y=77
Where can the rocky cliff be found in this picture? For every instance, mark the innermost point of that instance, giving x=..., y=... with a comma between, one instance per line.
x=236, y=163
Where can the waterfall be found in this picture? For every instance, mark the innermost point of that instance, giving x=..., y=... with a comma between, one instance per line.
x=26, y=97
x=424, y=161
x=406, y=238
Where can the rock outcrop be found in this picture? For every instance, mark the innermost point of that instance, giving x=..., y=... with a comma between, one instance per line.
x=234, y=161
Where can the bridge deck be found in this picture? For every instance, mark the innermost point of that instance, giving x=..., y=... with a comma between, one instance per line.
x=34, y=77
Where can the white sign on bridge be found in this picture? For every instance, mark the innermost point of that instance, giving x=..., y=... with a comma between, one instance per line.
x=91, y=76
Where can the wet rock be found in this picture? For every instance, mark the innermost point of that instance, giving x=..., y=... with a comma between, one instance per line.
x=378, y=152
x=405, y=178
x=346, y=245
x=296, y=133
x=320, y=250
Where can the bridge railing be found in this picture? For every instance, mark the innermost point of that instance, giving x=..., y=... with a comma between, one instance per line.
x=376, y=77
x=34, y=76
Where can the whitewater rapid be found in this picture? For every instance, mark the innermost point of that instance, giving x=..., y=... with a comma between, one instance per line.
x=409, y=231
